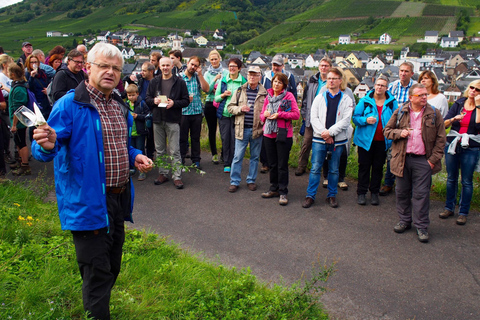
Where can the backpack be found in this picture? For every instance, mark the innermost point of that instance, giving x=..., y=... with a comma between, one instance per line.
x=31, y=97
x=50, y=97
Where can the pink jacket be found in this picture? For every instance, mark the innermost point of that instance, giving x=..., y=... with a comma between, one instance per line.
x=284, y=119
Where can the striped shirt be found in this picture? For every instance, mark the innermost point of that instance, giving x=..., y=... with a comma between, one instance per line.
x=251, y=96
x=114, y=128
x=400, y=93
x=193, y=86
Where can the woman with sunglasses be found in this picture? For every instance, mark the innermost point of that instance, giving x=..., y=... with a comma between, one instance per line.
x=462, y=150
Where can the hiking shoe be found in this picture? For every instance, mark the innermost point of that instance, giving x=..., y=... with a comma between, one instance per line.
x=343, y=185
x=252, y=186
x=142, y=176
x=325, y=183
x=422, y=235
x=270, y=194
x=227, y=169
x=461, y=220
x=361, y=200
x=385, y=190
x=161, y=179
x=283, y=200
x=401, y=227
x=232, y=188
x=299, y=171
x=307, y=203
x=22, y=171
x=375, y=201
x=215, y=159
x=9, y=159
x=15, y=165
x=332, y=202
x=178, y=184
x=445, y=214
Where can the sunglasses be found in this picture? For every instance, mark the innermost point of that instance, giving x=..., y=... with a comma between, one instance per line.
x=474, y=88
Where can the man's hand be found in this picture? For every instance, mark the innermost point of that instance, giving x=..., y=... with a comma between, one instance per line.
x=325, y=135
x=143, y=163
x=170, y=103
x=245, y=108
x=431, y=164
x=405, y=133
x=45, y=136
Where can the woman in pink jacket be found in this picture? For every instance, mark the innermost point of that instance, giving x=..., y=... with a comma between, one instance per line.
x=279, y=109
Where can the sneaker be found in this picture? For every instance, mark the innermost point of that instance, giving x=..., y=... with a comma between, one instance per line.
x=422, y=235
x=461, y=220
x=215, y=159
x=445, y=214
x=142, y=176
x=270, y=194
x=375, y=201
x=227, y=169
x=343, y=185
x=361, y=200
x=299, y=171
x=22, y=171
x=325, y=183
x=283, y=200
x=385, y=190
x=132, y=172
x=401, y=227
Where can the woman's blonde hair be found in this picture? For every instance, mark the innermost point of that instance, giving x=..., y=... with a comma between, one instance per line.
x=474, y=83
x=215, y=52
x=5, y=59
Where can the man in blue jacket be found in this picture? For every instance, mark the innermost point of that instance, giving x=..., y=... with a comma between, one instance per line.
x=88, y=137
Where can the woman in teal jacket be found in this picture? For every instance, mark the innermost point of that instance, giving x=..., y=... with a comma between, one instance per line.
x=370, y=116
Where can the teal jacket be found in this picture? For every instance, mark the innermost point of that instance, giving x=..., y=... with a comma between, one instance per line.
x=365, y=108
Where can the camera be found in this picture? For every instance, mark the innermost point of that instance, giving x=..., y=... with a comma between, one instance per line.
x=328, y=155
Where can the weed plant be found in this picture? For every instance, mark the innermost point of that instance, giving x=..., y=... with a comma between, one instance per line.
x=40, y=280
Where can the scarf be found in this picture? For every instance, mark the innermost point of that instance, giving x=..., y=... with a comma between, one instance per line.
x=215, y=71
x=274, y=103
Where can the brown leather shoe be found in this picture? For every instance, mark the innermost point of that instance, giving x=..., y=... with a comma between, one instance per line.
x=307, y=203
x=270, y=194
x=445, y=214
x=232, y=188
x=385, y=190
x=332, y=202
x=461, y=220
x=252, y=186
x=299, y=171
x=161, y=179
x=178, y=184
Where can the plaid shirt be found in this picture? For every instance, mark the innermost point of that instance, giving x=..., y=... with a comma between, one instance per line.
x=193, y=86
x=400, y=93
x=114, y=137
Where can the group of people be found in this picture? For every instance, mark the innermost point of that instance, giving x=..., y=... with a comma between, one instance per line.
x=160, y=113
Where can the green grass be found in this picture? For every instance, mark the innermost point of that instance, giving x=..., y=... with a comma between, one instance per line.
x=398, y=27
x=39, y=276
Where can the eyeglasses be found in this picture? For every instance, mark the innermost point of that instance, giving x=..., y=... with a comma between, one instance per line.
x=474, y=88
x=324, y=66
x=233, y=66
x=420, y=95
x=250, y=74
x=77, y=62
x=330, y=79
x=105, y=67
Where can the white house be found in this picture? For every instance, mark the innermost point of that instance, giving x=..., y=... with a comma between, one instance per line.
x=103, y=36
x=344, y=39
x=310, y=62
x=389, y=56
x=54, y=34
x=457, y=34
x=361, y=90
x=448, y=42
x=127, y=54
x=385, y=39
x=219, y=34
x=376, y=64
x=177, y=43
x=201, y=40
x=295, y=61
x=140, y=42
x=430, y=37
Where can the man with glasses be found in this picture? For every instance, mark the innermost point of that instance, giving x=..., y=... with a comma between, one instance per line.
x=330, y=119
x=88, y=138
x=314, y=85
x=69, y=76
x=418, y=134
x=193, y=114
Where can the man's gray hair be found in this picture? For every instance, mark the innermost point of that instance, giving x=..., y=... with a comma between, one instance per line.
x=150, y=66
x=409, y=64
x=106, y=49
x=415, y=86
x=37, y=52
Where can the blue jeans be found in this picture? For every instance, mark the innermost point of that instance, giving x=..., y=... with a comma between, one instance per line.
x=240, y=147
x=389, y=176
x=138, y=142
x=465, y=161
x=319, y=151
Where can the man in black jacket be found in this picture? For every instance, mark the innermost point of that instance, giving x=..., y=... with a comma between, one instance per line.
x=69, y=77
x=166, y=96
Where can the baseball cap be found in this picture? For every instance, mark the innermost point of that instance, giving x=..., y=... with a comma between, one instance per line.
x=278, y=59
x=26, y=43
x=255, y=69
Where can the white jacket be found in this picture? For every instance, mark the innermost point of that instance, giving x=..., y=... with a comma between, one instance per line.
x=318, y=117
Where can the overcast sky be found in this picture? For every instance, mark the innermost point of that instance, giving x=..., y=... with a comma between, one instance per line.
x=4, y=3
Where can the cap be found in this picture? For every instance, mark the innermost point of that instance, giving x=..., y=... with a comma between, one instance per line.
x=255, y=69
x=26, y=43
x=278, y=59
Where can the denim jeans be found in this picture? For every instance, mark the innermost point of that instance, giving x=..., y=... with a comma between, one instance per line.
x=389, y=176
x=319, y=151
x=138, y=142
x=465, y=161
x=240, y=147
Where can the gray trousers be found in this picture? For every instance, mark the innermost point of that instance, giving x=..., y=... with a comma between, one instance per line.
x=167, y=134
x=413, y=192
x=306, y=148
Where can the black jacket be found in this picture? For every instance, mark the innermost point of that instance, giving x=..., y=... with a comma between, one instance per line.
x=65, y=80
x=179, y=95
x=141, y=109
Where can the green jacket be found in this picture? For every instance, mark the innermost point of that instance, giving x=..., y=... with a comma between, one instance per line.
x=18, y=97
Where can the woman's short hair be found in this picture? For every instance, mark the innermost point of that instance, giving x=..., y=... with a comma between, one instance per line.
x=106, y=49
x=237, y=61
x=53, y=58
x=429, y=74
x=5, y=58
x=214, y=52
x=474, y=83
x=282, y=77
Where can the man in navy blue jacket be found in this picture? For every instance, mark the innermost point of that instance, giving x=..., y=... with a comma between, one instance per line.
x=88, y=137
